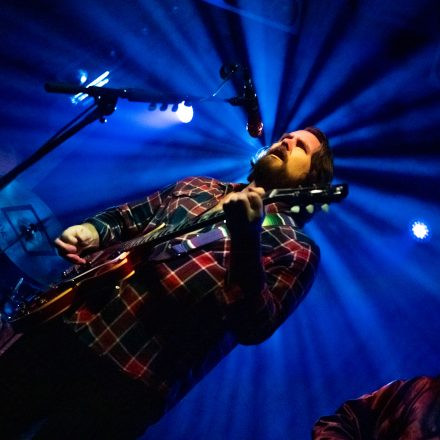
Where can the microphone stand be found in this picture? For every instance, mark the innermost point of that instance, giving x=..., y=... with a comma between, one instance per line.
x=102, y=107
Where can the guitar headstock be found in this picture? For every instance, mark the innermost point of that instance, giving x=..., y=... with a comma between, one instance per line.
x=305, y=200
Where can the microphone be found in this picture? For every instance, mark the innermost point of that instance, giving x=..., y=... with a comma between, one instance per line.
x=252, y=108
x=248, y=100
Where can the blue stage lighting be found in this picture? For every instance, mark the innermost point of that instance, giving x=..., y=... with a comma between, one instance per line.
x=101, y=81
x=185, y=113
x=260, y=153
x=82, y=75
x=420, y=230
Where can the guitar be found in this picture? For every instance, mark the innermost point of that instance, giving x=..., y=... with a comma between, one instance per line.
x=118, y=262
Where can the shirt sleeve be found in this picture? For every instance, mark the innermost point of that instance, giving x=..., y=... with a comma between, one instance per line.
x=289, y=269
x=355, y=418
x=400, y=409
x=128, y=220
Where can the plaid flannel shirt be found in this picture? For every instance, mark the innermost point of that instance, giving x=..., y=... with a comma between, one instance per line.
x=174, y=320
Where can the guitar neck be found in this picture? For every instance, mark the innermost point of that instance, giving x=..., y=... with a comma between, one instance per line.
x=167, y=233
x=292, y=196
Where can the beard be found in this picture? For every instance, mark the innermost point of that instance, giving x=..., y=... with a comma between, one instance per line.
x=270, y=173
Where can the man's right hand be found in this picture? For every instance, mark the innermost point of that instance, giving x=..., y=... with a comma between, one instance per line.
x=75, y=240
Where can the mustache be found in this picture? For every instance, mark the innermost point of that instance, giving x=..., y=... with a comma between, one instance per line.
x=279, y=151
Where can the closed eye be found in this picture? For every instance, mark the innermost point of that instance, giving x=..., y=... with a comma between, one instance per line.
x=302, y=145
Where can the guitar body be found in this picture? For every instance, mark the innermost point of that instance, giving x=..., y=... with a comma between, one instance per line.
x=103, y=272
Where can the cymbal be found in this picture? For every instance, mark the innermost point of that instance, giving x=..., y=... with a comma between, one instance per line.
x=27, y=230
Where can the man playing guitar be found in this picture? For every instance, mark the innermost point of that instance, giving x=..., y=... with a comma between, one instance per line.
x=127, y=350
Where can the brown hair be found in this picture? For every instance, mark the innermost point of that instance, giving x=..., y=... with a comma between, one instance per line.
x=321, y=167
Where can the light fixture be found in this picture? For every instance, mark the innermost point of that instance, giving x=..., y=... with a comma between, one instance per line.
x=185, y=113
x=420, y=230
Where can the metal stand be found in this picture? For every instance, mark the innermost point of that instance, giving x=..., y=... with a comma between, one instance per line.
x=105, y=104
x=102, y=107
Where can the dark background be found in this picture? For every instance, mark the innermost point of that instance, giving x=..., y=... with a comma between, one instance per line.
x=366, y=72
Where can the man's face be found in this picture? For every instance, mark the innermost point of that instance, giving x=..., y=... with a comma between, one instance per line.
x=287, y=162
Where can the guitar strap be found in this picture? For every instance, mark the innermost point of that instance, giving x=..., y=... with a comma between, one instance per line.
x=272, y=219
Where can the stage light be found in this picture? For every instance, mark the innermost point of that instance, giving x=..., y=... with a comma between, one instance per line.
x=101, y=81
x=420, y=230
x=185, y=113
x=82, y=74
x=101, y=78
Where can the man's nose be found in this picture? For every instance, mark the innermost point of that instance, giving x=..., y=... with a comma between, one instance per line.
x=290, y=142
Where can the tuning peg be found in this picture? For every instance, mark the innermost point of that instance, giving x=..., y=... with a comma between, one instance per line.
x=310, y=209
x=325, y=207
x=295, y=209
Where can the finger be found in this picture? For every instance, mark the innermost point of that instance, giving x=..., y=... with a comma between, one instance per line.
x=83, y=236
x=230, y=202
x=76, y=259
x=238, y=201
x=255, y=202
x=65, y=247
x=232, y=197
x=69, y=236
x=257, y=189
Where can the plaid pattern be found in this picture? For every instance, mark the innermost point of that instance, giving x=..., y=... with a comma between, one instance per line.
x=174, y=320
x=402, y=409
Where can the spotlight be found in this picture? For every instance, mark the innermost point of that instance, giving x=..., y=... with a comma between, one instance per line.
x=420, y=230
x=82, y=75
x=184, y=113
